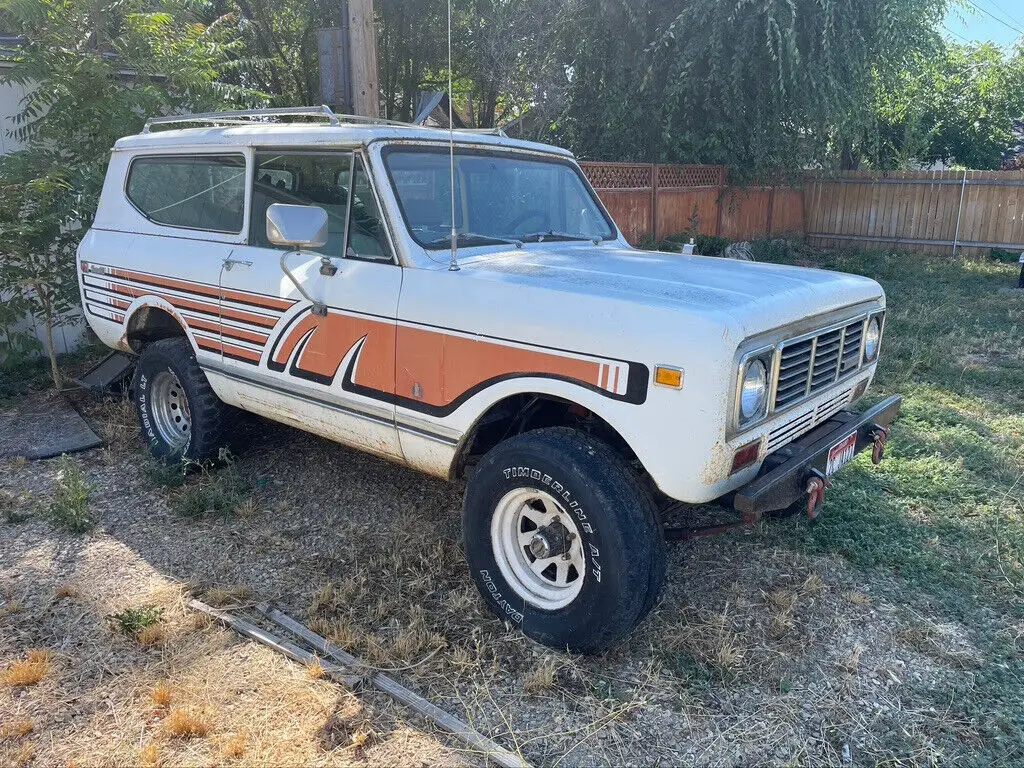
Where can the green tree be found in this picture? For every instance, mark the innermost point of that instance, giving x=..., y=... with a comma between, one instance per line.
x=756, y=85
x=93, y=70
x=961, y=107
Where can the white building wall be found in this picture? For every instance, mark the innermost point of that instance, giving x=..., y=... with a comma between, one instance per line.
x=68, y=337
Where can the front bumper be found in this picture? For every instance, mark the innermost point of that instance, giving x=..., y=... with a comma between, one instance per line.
x=785, y=474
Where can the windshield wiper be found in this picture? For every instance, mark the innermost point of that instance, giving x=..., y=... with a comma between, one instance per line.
x=540, y=237
x=469, y=239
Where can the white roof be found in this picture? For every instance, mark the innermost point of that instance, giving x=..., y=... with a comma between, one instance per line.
x=305, y=134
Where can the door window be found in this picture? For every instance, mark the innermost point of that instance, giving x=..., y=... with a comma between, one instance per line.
x=321, y=179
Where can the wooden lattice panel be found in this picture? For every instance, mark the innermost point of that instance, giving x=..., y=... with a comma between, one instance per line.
x=691, y=175
x=619, y=175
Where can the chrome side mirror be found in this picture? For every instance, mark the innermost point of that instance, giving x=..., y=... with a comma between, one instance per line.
x=297, y=226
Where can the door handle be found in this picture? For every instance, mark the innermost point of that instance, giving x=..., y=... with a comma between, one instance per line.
x=229, y=263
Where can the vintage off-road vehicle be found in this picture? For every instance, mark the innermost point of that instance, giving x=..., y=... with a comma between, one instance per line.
x=305, y=271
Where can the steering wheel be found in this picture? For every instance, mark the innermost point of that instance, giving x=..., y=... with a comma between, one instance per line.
x=538, y=213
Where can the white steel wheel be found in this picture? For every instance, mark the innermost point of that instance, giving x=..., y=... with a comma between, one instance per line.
x=538, y=548
x=169, y=406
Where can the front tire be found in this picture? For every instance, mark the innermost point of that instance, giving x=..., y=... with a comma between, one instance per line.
x=181, y=417
x=562, y=539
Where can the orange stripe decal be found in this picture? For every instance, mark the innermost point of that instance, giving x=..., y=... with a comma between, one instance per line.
x=229, y=349
x=266, y=302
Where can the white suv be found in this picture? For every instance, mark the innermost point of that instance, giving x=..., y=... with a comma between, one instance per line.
x=305, y=272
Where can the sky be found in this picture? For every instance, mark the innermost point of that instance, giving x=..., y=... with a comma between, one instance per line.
x=984, y=20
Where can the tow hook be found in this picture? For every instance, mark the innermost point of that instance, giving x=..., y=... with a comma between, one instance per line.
x=878, y=439
x=816, y=486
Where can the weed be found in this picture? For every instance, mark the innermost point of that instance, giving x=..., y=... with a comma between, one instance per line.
x=15, y=516
x=315, y=669
x=152, y=637
x=16, y=729
x=541, y=678
x=182, y=724
x=132, y=621
x=213, y=493
x=162, y=695
x=25, y=755
x=69, y=507
x=66, y=591
x=166, y=474
x=235, y=746
x=28, y=671
x=149, y=756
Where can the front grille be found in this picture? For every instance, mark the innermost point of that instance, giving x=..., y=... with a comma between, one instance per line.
x=809, y=365
x=805, y=422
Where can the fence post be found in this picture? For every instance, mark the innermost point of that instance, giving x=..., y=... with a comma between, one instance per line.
x=654, y=203
x=771, y=210
x=959, y=213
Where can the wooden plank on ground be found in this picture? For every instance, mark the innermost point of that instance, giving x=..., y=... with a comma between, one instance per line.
x=490, y=749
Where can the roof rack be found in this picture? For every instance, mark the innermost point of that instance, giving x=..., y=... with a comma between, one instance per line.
x=249, y=116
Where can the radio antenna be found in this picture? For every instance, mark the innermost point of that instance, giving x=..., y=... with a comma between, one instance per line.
x=453, y=264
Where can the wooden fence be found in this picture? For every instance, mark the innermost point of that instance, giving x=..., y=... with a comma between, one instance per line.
x=659, y=201
x=966, y=213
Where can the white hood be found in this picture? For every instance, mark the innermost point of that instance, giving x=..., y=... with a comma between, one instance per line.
x=757, y=296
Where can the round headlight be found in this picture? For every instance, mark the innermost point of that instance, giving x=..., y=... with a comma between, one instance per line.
x=755, y=390
x=872, y=339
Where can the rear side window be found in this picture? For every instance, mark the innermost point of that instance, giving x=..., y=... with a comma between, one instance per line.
x=204, y=192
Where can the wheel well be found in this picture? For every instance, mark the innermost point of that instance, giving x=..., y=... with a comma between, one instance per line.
x=151, y=324
x=524, y=412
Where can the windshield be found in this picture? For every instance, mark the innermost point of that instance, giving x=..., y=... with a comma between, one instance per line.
x=498, y=198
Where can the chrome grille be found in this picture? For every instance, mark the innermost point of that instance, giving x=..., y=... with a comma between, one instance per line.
x=805, y=422
x=810, y=365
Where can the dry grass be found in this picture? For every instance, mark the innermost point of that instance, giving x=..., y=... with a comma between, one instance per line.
x=29, y=671
x=315, y=669
x=16, y=729
x=162, y=695
x=66, y=591
x=851, y=663
x=234, y=748
x=153, y=637
x=119, y=425
x=182, y=724
x=857, y=598
x=541, y=678
x=25, y=755
x=231, y=595
x=150, y=757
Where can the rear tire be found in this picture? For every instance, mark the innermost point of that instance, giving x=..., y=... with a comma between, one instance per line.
x=563, y=540
x=181, y=417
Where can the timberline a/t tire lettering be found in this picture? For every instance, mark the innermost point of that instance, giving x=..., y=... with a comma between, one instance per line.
x=559, y=491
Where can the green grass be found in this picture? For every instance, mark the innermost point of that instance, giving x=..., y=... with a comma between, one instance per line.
x=942, y=519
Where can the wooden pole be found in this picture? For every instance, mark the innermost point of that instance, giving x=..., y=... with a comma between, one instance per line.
x=363, y=59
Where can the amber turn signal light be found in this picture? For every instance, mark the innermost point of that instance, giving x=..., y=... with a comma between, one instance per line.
x=745, y=456
x=668, y=377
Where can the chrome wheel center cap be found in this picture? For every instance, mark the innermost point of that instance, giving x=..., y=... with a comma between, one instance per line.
x=540, y=547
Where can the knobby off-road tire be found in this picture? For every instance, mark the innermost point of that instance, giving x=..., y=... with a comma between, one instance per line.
x=181, y=417
x=560, y=491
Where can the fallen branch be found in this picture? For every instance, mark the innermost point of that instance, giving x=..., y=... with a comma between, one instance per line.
x=491, y=749
x=292, y=651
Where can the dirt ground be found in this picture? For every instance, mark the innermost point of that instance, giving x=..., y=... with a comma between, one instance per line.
x=758, y=654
